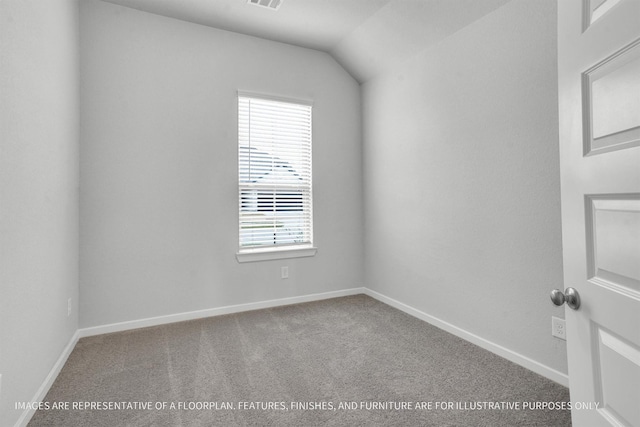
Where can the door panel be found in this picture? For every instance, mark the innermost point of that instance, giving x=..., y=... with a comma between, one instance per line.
x=611, y=99
x=596, y=9
x=613, y=241
x=618, y=362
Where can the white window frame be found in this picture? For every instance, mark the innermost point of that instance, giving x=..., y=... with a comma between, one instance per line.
x=282, y=250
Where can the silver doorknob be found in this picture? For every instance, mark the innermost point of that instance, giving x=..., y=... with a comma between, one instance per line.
x=570, y=296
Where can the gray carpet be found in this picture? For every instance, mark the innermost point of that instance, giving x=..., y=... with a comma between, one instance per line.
x=352, y=349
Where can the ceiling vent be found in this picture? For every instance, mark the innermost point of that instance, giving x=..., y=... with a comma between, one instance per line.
x=269, y=4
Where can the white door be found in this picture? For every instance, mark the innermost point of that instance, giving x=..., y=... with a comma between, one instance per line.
x=599, y=106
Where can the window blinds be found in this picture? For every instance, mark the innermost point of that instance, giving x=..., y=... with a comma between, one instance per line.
x=274, y=156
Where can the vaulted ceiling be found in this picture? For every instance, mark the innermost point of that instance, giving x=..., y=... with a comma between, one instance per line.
x=365, y=36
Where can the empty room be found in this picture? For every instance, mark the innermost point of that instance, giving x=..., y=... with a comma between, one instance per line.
x=320, y=212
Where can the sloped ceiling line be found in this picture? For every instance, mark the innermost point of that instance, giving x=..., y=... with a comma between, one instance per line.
x=365, y=36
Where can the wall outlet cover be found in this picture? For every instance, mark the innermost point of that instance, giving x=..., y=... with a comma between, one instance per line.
x=558, y=328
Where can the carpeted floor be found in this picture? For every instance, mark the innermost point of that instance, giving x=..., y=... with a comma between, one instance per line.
x=349, y=361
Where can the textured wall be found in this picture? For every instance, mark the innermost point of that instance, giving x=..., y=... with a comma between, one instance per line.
x=462, y=193
x=159, y=208
x=39, y=192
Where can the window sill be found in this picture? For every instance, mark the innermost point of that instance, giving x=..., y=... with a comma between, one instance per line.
x=254, y=255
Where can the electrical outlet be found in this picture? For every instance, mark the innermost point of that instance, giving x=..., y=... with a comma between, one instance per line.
x=284, y=272
x=558, y=328
x=69, y=307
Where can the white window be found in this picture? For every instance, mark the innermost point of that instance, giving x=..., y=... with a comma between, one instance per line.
x=274, y=167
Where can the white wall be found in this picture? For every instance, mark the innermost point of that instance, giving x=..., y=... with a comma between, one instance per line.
x=461, y=173
x=159, y=166
x=461, y=187
x=39, y=192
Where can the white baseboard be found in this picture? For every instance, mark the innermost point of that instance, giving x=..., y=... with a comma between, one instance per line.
x=161, y=320
x=501, y=351
x=48, y=382
x=504, y=352
x=199, y=314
